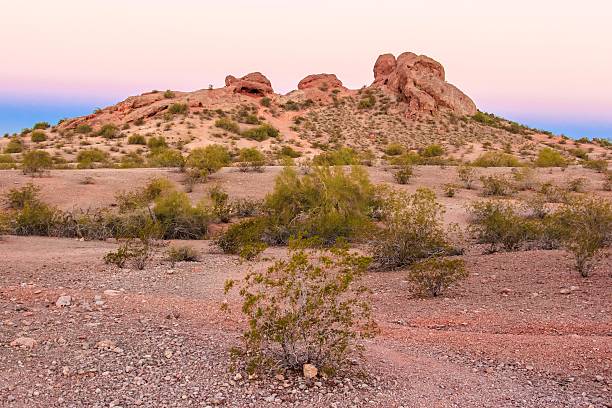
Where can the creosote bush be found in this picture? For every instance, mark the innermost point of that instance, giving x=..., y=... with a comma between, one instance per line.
x=344, y=156
x=403, y=174
x=251, y=159
x=108, y=131
x=261, y=132
x=228, y=124
x=87, y=159
x=244, y=238
x=412, y=231
x=133, y=251
x=309, y=309
x=496, y=185
x=165, y=157
x=35, y=162
x=432, y=276
x=209, y=159
x=156, y=142
x=38, y=136
x=137, y=139
x=548, y=157
x=496, y=159
x=182, y=253
x=15, y=145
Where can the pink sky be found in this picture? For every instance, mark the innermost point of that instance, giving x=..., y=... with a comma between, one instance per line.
x=547, y=58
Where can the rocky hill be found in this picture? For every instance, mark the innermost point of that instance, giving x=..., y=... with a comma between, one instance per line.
x=408, y=103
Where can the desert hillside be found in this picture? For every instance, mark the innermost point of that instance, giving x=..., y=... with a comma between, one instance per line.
x=409, y=104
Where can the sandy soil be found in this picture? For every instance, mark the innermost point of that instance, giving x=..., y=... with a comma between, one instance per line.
x=505, y=337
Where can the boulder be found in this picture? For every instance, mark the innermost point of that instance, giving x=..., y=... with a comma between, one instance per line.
x=254, y=83
x=310, y=371
x=420, y=82
x=320, y=81
x=24, y=342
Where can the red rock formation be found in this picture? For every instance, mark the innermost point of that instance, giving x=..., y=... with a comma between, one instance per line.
x=320, y=81
x=420, y=81
x=253, y=83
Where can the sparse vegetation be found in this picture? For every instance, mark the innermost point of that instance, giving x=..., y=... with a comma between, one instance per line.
x=261, y=132
x=137, y=139
x=228, y=124
x=38, y=136
x=432, y=276
x=35, y=162
x=496, y=159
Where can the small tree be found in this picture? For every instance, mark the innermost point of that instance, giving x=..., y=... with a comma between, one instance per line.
x=310, y=309
x=210, y=158
x=36, y=162
x=432, y=276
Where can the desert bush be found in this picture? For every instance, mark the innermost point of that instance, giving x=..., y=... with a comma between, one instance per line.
x=328, y=202
x=137, y=139
x=432, y=276
x=449, y=189
x=169, y=94
x=244, y=238
x=17, y=198
x=288, y=151
x=433, y=150
x=266, y=102
x=38, y=136
x=309, y=309
x=406, y=158
x=367, y=102
x=500, y=225
x=41, y=125
x=548, y=157
x=524, y=178
x=178, y=218
x=87, y=158
x=403, y=174
x=600, y=166
x=135, y=251
x=131, y=160
x=576, y=185
x=261, y=132
x=35, y=162
x=244, y=207
x=394, y=149
x=496, y=159
x=209, y=159
x=83, y=129
x=552, y=193
x=251, y=159
x=157, y=142
x=467, y=175
x=182, y=253
x=165, y=157
x=132, y=200
x=178, y=108
x=587, y=223
x=228, y=124
x=496, y=185
x=413, y=229
x=342, y=157
x=7, y=162
x=15, y=145
x=607, y=183
x=220, y=203
x=108, y=131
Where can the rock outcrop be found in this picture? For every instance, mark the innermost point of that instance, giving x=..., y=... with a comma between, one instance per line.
x=254, y=83
x=320, y=81
x=420, y=82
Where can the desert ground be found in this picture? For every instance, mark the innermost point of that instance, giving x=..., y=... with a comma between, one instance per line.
x=524, y=330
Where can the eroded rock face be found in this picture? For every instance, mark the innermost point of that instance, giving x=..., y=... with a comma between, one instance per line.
x=420, y=82
x=320, y=81
x=254, y=83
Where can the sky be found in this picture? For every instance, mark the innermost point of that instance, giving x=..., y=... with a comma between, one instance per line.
x=541, y=62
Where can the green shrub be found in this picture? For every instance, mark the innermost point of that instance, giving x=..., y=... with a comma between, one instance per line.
x=288, y=151
x=137, y=139
x=178, y=108
x=108, y=131
x=496, y=185
x=17, y=198
x=169, y=94
x=496, y=159
x=587, y=223
x=165, y=157
x=87, y=158
x=209, y=159
x=83, y=129
x=367, y=102
x=15, y=145
x=413, y=229
x=251, y=159
x=403, y=174
x=309, y=309
x=433, y=150
x=135, y=251
x=131, y=160
x=42, y=125
x=261, y=133
x=178, y=218
x=600, y=166
x=36, y=162
x=265, y=101
x=407, y=158
x=220, y=200
x=394, y=149
x=342, y=157
x=38, y=137
x=7, y=162
x=432, y=276
x=500, y=225
x=328, y=203
x=228, y=124
x=157, y=142
x=244, y=238
x=548, y=157
x=182, y=253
